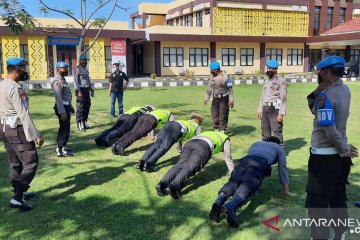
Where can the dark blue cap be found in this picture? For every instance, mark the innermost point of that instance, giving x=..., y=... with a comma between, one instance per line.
x=61, y=65
x=214, y=65
x=331, y=62
x=16, y=61
x=272, y=64
x=83, y=57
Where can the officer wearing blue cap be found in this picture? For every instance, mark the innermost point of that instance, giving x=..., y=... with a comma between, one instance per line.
x=83, y=88
x=63, y=108
x=330, y=157
x=18, y=132
x=220, y=90
x=272, y=106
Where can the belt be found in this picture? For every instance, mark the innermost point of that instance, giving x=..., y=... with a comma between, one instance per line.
x=5, y=122
x=269, y=104
x=84, y=86
x=220, y=95
x=324, y=151
x=66, y=103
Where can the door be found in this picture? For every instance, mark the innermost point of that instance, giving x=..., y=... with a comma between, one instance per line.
x=138, y=59
x=67, y=54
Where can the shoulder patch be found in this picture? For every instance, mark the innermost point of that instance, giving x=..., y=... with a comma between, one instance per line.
x=22, y=94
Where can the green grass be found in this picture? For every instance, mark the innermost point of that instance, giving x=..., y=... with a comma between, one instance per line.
x=97, y=195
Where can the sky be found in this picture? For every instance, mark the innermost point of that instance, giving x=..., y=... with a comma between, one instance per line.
x=32, y=6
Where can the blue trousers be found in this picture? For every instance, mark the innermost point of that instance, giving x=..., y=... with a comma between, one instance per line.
x=119, y=96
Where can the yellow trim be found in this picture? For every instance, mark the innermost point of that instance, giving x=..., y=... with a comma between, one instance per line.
x=246, y=22
x=37, y=57
x=97, y=59
x=10, y=47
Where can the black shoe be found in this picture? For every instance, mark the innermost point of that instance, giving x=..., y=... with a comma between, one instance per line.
x=140, y=165
x=29, y=195
x=173, y=192
x=230, y=215
x=150, y=167
x=106, y=142
x=67, y=153
x=120, y=149
x=114, y=150
x=86, y=126
x=21, y=204
x=61, y=152
x=215, y=212
x=160, y=191
x=67, y=149
x=357, y=204
x=80, y=126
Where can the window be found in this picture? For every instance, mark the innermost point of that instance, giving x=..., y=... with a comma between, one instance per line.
x=274, y=54
x=246, y=57
x=198, y=57
x=187, y=20
x=108, y=59
x=24, y=52
x=177, y=22
x=354, y=54
x=294, y=57
x=170, y=22
x=173, y=57
x=329, y=17
x=228, y=56
x=342, y=15
x=199, y=19
x=207, y=11
x=316, y=21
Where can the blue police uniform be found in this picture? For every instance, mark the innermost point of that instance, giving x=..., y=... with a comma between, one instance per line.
x=329, y=164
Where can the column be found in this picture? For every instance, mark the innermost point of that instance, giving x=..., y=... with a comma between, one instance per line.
x=157, y=58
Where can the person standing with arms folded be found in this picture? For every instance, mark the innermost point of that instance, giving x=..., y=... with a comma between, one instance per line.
x=220, y=89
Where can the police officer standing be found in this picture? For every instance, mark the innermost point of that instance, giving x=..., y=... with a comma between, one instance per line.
x=272, y=106
x=220, y=89
x=83, y=88
x=118, y=83
x=18, y=132
x=195, y=155
x=330, y=157
x=63, y=108
x=172, y=132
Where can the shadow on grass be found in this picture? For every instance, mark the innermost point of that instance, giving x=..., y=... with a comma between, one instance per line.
x=240, y=130
x=294, y=144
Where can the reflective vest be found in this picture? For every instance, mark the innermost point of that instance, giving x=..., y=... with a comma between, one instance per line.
x=162, y=117
x=218, y=138
x=191, y=129
x=133, y=110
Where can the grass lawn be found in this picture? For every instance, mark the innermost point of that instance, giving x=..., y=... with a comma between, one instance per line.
x=96, y=195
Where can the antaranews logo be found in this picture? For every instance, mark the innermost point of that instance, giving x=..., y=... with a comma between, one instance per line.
x=268, y=222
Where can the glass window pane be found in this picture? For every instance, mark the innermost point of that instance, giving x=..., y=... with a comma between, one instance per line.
x=173, y=60
x=198, y=60
x=166, y=50
x=232, y=60
x=232, y=51
x=289, y=51
x=250, y=51
x=250, y=61
x=300, y=60
x=198, y=50
x=243, y=61
x=180, y=60
x=192, y=51
x=225, y=61
x=224, y=51
x=192, y=61
x=205, y=61
x=243, y=51
x=172, y=50
x=268, y=51
x=294, y=59
x=179, y=50
x=166, y=61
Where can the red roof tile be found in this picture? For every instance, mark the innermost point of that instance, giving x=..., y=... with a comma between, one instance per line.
x=350, y=26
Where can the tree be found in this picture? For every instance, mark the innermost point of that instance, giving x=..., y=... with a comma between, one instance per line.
x=15, y=16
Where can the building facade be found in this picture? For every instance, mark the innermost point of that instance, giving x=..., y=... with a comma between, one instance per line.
x=186, y=35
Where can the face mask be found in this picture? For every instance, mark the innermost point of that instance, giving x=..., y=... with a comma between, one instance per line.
x=64, y=73
x=113, y=69
x=270, y=74
x=24, y=76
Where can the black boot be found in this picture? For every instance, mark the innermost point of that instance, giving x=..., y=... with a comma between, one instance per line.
x=86, y=126
x=28, y=195
x=114, y=150
x=230, y=210
x=173, y=192
x=150, y=167
x=80, y=126
x=140, y=165
x=160, y=190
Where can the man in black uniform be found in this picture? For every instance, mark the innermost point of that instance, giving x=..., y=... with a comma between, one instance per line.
x=248, y=174
x=18, y=132
x=83, y=88
x=124, y=124
x=118, y=83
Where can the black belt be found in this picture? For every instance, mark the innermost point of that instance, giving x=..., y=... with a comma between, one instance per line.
x=220, y=95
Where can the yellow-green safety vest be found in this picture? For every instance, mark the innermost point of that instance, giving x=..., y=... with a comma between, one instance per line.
x=162, y=116
x=133, y=110
x=218, y=138
x=191, y=129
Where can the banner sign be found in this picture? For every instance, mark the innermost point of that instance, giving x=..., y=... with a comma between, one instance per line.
x=118, y=52
x=63, y=41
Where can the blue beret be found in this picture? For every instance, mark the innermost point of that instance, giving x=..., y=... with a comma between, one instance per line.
x=272, y=64
x=83, y=57
x=332, y=61
x=61, y=65
x=214, y=65
x=16, y=61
